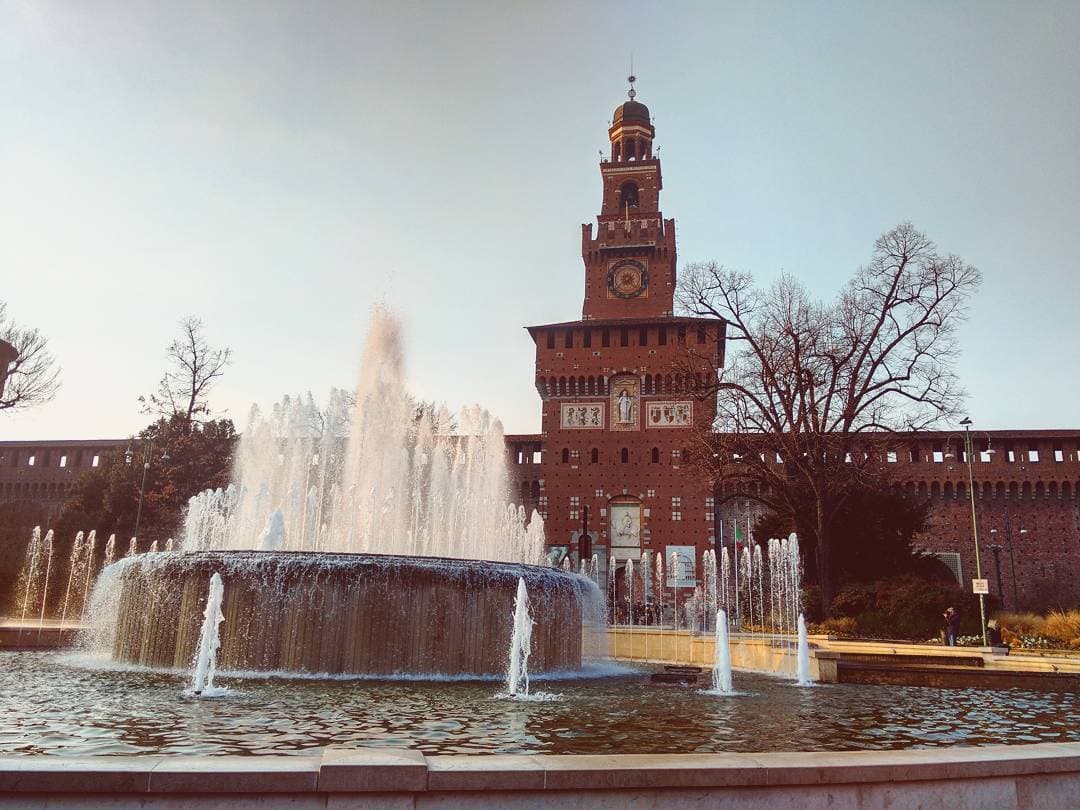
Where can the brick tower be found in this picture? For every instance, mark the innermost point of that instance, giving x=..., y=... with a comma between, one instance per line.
x=618, y=386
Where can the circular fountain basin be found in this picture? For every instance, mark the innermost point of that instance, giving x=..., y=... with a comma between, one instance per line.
x=313, y=612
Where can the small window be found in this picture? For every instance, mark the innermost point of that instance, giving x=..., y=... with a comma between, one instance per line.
x=985, y=457
x=30, y=461
x=542, y=506
x=63, y=461
x=1010, y=454
x=1033, y=455
x=536, y=457
x=605, y=337
x=566, y=455
x=643, y=336
x=676, y=508
x=710, y=509
x=594, y=457
x=1059, y=454
x=599, y=493
x=890, y=456
x=661, y=335
x=656, y=455
x=94, y=461
x=568, y=339
x=939, y=456
x=624, y=337
x=701, y=336
x=551, y=339
x=682, y=335
x=624, y=455
x=587, y=335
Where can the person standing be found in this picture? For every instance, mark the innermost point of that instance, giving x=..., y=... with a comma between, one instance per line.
x=952, y=626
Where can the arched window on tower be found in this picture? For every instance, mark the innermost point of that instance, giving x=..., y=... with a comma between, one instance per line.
x=624, y=455
x=628, y=195
x=594, y=457
x=566, y=455
x=656, y=455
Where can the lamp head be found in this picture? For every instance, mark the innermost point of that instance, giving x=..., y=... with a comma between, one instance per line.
x=965, y=421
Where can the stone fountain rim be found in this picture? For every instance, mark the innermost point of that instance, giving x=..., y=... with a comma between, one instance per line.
x=405, y=560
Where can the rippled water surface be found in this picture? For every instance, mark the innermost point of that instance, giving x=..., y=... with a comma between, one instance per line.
x=53, y=703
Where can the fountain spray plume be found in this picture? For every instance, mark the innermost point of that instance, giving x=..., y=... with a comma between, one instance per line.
x=517, y=676
x=802, y=674
x=209, y=638
x=75, y=574
x=47, y=553
x=133, y=547
x=110, y=551
x=630, y=592
x=660, y=589
x=91, y=541
x=31, y=574
x=721, y=674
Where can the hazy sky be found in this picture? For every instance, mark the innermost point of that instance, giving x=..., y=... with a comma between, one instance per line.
x=277, y=169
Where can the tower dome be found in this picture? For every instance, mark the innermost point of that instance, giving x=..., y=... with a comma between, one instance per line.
x=631, y=112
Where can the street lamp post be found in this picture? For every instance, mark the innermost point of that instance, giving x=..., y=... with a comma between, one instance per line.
x=148, y=453
x=974, y=523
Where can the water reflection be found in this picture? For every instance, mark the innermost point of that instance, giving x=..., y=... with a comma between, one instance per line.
x=48, y=705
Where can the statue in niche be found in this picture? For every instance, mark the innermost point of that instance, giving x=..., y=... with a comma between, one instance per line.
x=626, y=406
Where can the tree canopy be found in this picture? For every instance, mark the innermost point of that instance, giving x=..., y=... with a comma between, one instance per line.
x=810, y=389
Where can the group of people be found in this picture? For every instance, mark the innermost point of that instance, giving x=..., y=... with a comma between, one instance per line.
x=952, y=629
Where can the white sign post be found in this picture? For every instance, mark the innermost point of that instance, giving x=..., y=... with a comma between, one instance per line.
x=980, y=586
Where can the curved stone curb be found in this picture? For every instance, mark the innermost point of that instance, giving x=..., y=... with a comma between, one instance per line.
x=1008, y=776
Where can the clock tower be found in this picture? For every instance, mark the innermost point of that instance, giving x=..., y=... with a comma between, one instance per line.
x=630, y=261
x=623, y=389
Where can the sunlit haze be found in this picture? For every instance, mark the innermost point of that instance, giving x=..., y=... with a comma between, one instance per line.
x=278, y=169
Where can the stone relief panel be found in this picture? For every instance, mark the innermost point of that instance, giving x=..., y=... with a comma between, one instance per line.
x=625, y=402
x=582, y=415
x=625, y=530
x=669, y=414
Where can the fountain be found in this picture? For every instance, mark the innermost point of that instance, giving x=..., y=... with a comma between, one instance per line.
x=802, y=675
x=382, y=548
x=517, y=676
x=721, y=674
x=202, y=680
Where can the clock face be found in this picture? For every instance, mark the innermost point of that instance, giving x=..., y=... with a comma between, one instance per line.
x=627, y=278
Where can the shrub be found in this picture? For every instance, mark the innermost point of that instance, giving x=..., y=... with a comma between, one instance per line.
x=906, y=606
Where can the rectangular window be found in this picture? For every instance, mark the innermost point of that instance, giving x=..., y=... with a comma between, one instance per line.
x=1033, y=455
x=568, y=339
x=588, y=338
x=541, y=506
x=605, y=337
x=651, y=493
x=1059, y=454
x=890, y=456
x=94, y=461
x=574, y=455
x=1010, y=454
x=939, y=456
x=599, y=493
x=676, y=508
x=30, y=461
x=709, y=509
x=701, y=336
x=575, y=507
x=624, y=337
x=63, y=461
x=682, y=335
x=985, y=457
x=550, y=338
x=661, y=335
x=676, y=456
x=536, y=457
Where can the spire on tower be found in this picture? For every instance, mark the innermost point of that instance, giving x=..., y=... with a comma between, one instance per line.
x=631, y=78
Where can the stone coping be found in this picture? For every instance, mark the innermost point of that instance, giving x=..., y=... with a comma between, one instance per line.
x=360, y=770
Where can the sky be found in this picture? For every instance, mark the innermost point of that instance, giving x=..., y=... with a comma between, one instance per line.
x=279, y=169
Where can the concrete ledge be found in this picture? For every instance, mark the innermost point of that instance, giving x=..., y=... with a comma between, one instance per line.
x=1021, y=777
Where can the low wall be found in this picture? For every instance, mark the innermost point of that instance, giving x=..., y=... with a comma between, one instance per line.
x=748, y=651
x=1023, y=776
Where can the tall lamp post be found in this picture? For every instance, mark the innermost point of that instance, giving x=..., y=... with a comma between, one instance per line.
x=148, y=453
x=966, y=422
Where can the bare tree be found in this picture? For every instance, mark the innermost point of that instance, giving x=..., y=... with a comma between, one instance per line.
x=811, y=392
x=31, y=377
x=193, y=366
